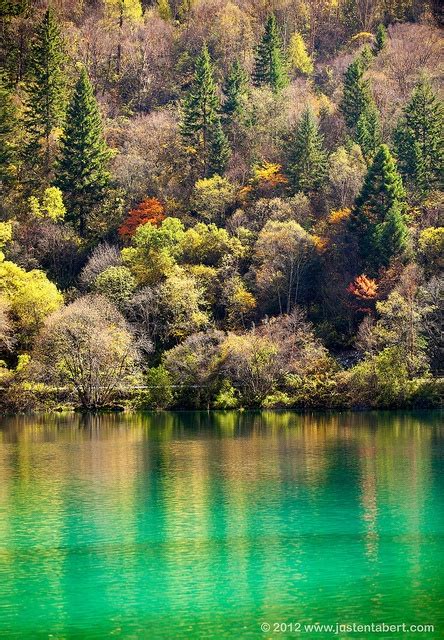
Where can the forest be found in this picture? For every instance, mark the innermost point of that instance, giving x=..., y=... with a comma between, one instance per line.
x=221, y=204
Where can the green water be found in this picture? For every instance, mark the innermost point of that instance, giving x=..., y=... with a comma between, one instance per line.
x=196, y=525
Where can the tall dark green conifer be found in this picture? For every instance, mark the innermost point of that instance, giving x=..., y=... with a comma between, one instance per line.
x=8, y=126
x=377, y=221
x=82, y=172
x=368, y=131
x=235, y=88
x=419, y=140
x=380, y=40
x=46, y=100
x=357, y=96
x=270, y=65
x=201, y=126
x=307, y=158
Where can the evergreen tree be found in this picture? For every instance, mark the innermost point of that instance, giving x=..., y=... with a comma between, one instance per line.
x=391, y=235
x=201, y=126
x=357, y=96
x=270, y=64
x=307, y=157
x=379, y=211
x=380, y=40
x=82, y=173
x=46, y=92
x=235, y=88
x=419, y=140
x=368, y=131
x=8, y=125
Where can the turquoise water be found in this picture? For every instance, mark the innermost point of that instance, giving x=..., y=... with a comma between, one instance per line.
x=196, y=525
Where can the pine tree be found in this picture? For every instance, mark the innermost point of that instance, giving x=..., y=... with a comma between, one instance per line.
x=46, y=100
x=379, y=210
x=82, y=172
x=357, y=96
x=419, y=140
x=380, y=40
x=368, y=131
x=391, y=235
x=235, y=88
x=307, y=157
x=201, y=126
x=8, y=126
x=270, y=64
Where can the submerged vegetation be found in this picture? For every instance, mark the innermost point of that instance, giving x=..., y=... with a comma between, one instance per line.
x=221, y=204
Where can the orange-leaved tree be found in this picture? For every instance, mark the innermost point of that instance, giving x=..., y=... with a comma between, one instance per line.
x=150, y=210
x=364, y=291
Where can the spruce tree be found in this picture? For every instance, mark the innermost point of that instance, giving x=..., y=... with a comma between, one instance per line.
x=378, y=211
x=46, y=99
x=235, y=88
x=368, y=131
x=8, y=126
x=357, y=96
x=201, y=126
x=270, y=64
x=307, y=157
x=380, y=40
x=82, y=173
x=419, y=140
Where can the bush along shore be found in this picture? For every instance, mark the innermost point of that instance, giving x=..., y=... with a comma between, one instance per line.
x=217, y=205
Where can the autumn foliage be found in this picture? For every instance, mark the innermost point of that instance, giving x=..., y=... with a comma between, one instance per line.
x=150, y=210
x=364, y=291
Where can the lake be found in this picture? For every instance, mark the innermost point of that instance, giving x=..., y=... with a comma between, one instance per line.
x=209, y=525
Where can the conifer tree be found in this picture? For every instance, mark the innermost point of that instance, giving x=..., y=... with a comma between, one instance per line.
x=378, y=212
x=235, y=88
x=307, y=157
x=357, y=96
x=8, y=126
x=368, y=131
x=46, y=100
x=201, y=126
x=270, y=65
x=380, y=40
x=82, y=173
x=419, y=140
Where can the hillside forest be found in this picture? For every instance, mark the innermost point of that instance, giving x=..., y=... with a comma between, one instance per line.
x=221, y=204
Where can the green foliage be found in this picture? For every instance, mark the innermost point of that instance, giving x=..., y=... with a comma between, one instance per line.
x=368, y=131
x=307, y=157
x=82, y=172
x=378, y=217
x=8, y=132
x=117, y=284
x=357, y=96
x=46, y=100
x=159, y=393
x=419, y=140
x=164, y=9
x=380, y=39
x=235, y=90
x=212, y=197
x=270, y=65
x=431, y=249
x=201, y=127
x=227, y=398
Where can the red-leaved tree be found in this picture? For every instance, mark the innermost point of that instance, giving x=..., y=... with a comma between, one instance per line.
x=150, y=210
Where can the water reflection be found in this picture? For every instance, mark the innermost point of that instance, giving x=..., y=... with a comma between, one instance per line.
x=195, y=524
